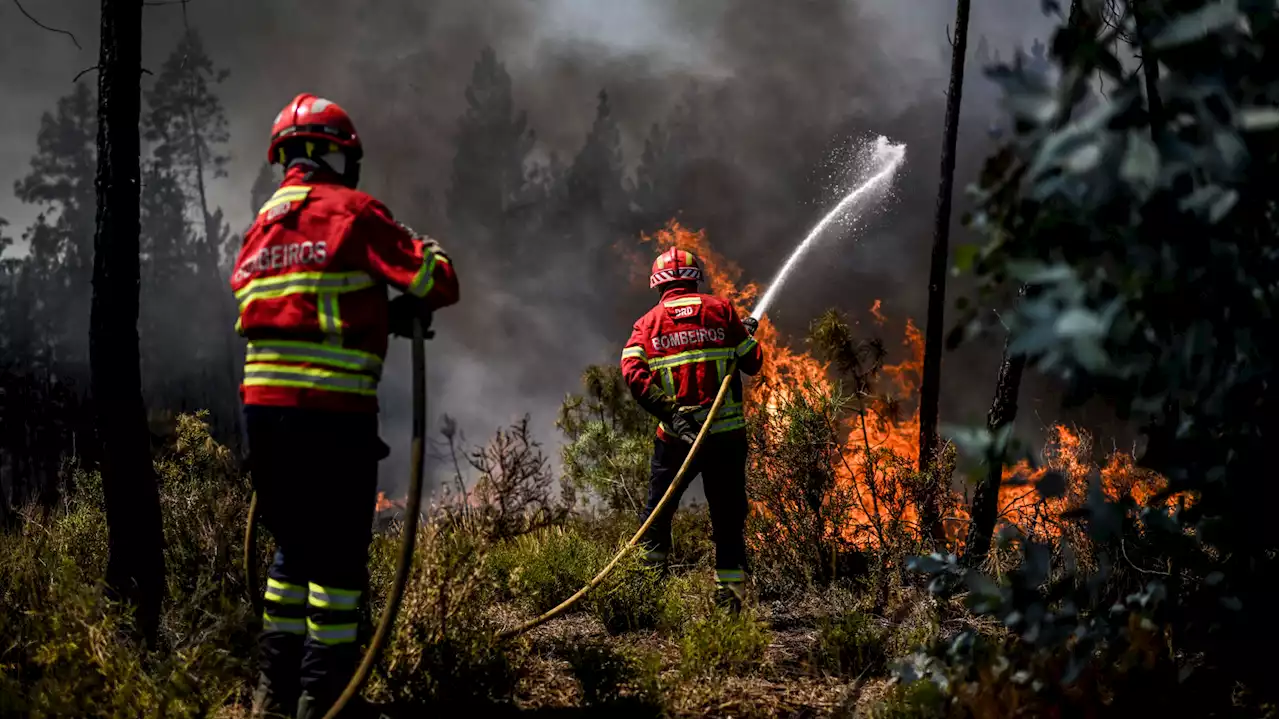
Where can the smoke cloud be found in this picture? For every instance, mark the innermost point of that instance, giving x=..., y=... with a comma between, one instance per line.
x=779, y=87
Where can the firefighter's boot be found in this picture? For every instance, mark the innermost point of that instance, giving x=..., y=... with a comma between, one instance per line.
x=656, y=561
x=267, y=703
x=730, y=590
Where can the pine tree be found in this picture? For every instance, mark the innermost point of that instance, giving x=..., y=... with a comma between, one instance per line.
x=188, y=125
x=930, y=512
x=58, y=269
x=594, y=184
x=488, y=182
x=135, y=532
x=669, y=151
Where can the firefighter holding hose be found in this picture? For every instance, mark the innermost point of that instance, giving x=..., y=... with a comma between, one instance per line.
x=674, y=363
x=311, y=282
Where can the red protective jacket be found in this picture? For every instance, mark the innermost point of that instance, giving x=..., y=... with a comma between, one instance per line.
x=678, y=354
x=311, y=281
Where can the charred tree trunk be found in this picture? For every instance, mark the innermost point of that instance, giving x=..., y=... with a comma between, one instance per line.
x=1004, y=408
x=135, y=570
x=1150, y=68
x=930, y=511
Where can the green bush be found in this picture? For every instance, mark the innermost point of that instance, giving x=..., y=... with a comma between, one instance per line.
x=917, y=700
x=69, y=650
x=615, y=680
x=444, y=651
x=543, y=568
x=722, y=642
x=630, y=598
x=850, y=643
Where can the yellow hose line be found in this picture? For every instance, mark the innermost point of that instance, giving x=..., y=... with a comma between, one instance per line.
x=671, y=490
x=408, y=535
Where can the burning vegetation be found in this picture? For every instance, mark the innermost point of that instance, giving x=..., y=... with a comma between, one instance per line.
x=877, y=428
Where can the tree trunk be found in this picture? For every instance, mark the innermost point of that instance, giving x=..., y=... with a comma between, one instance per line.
x=135, y=570
x=1004, y=409
x=1150, y=68
x=930, y=511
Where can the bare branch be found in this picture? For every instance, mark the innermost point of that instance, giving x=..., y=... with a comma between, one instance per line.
x=46, y=27
x=80, y=74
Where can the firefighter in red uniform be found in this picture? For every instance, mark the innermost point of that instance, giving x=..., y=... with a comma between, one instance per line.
x=311, y=282
x=674, y=363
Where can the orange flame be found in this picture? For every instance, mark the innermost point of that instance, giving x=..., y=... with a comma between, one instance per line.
x=875, y=476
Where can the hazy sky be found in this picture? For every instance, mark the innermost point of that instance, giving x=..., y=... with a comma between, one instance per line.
x=786, y=75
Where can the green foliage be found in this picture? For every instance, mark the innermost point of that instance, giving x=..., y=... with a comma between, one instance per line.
x=543, y=568
x=722, y=642
x=444, y=652
x=850, y=643
x=1145, y=235
x=610, y=441
x=68, y=650
x=917, y=700
x=613, y=679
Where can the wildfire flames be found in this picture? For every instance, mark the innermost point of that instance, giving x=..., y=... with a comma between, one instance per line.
x=879, y=448
x=894, y=441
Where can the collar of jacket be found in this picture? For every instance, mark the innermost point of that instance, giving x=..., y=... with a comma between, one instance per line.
x=308, y=172
x=677, y=292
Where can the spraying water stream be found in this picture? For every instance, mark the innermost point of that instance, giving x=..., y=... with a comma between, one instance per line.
x=886, y=158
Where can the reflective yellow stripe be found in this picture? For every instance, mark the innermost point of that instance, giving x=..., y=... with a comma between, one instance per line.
x=293, y=193
x=333, y=597
x=288, y=625
x=315, y=353
x=274, y=375
x=634, y=353
x=691, y=357
x=302, y=282
x=285, y=593
x=683, y=302
x=746, y=346
x=331, y=633
x=729, y=576
x=426, y=277
x=329, y=317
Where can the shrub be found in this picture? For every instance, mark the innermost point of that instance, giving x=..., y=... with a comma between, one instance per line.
x=850, y=643
x=68, y=649
x=630, y=598
x=916, y=700
x=543, y=568
x=444, y=652
x=722, y=642
x=615, y=680
x=610, y=441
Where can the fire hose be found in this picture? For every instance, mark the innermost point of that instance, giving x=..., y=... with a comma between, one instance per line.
x=408, y=534
x=662, y=503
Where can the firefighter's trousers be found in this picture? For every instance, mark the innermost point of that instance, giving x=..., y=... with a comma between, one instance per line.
x=316, y=477
x=722, y=463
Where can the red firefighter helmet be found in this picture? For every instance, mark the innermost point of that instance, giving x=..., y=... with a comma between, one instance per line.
x=675, y=265
x=315, y=118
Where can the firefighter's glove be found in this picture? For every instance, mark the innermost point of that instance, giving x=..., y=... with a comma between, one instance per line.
x=429, y=244
x=751, y=324
x=403, y=311
x=686, y=424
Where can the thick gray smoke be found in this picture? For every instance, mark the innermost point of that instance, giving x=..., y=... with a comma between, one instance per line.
x=780, y=86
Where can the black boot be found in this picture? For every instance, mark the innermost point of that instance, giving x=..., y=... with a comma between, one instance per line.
x=268, y=703
x=730, y=597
